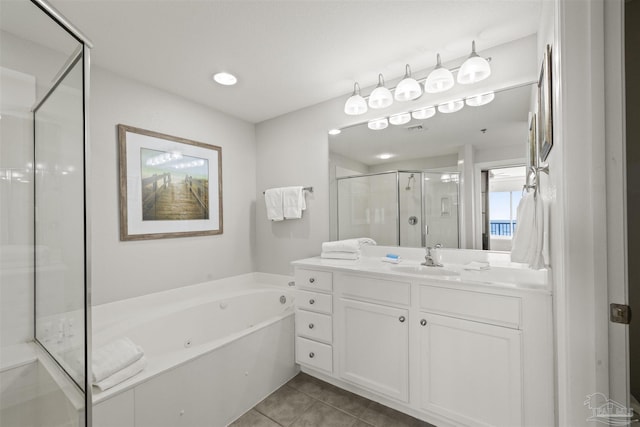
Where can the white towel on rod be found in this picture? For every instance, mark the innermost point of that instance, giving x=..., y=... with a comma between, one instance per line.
x=273, y=201
x=528, y=239
x=114, y=356
x=293, y=202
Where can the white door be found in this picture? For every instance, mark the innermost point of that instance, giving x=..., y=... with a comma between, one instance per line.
x=374, y=347
x=470, y=372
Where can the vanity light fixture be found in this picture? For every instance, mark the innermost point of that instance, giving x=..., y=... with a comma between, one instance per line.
x=378, y=124
x=408, y=88
x=451, y=106
x=334, y=132
x=356, y=104
x=424, y=113
x=440, y=79
x=474, y=69
x=381, y=96
x=225, y=79
x=481, y=99
x=400, y=119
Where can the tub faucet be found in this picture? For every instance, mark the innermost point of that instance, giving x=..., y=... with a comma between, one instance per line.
x=431, y=258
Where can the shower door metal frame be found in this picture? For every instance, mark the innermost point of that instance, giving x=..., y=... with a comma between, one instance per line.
x=83, y=53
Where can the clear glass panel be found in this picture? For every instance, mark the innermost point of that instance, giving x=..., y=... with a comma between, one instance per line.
x=59, y=195
x=411, y=228
x=441, y=208
x=367, y=207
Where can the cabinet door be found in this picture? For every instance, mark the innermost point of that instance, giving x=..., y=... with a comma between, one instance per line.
x=470, y=372
x=374, y=347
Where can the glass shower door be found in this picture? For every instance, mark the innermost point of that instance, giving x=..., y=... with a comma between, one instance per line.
x=441, y=208
x=60, y=222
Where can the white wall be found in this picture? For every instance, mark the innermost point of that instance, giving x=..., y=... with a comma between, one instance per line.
x=128, y=269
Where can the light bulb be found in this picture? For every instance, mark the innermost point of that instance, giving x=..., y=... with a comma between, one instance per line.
x=400, y=119
x=451, y=106
x=408, y=88
x=439, y=80
x=481, y=99
x=381, y=96
x=474, y=69
x=378, y=124
x=424, y=113
x=356, y=104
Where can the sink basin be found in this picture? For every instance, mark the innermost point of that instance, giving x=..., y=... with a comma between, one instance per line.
x=421, y=269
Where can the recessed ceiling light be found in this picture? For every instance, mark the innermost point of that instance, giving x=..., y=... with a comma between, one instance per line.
x=384, y=156
x=335, y=132
x=226, y=79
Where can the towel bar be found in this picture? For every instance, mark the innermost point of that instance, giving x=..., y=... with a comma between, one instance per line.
x=309, y=189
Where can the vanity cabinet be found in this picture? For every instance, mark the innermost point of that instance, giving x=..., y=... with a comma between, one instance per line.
x=314, y=319
x=374, y=347
x=447, y=351
x=470, y=371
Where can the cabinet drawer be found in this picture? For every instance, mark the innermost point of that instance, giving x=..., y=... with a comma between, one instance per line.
x=314, y=301
x=314, y=354
x=499, y=310
x=314, y=279
x=313, y=325
x=376, y=290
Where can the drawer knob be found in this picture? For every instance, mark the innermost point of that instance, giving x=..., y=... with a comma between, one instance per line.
x=423, y=322
x=311, y=280
x=310, y=325
x=312, y=355
x=402, y=319
x=312, y=301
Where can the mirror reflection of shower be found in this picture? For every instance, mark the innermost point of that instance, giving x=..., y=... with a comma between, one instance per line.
x=403, y=208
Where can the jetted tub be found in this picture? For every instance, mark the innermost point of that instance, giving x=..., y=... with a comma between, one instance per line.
x=214, y=350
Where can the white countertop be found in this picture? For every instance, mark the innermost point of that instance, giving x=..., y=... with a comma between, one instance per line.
x=501, y=274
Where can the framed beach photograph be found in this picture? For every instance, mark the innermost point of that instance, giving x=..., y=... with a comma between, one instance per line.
x=169, y=186
x=545, y=113
x=533, y=142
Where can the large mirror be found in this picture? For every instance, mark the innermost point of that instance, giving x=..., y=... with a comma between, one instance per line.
x=454, y=178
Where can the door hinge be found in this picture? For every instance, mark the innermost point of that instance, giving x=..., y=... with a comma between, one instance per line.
x=620, y=313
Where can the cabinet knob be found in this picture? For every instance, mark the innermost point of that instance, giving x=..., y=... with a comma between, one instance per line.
x=311, y=280
x=423, y=322
x=312, y=301
x=312, y=355
x=402, y=319
x=310, y=325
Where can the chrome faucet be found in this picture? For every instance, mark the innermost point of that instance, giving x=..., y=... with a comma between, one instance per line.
x=431, y=258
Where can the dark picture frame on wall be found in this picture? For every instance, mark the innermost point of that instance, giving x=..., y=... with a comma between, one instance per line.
x=545, y=109
x=169, y=186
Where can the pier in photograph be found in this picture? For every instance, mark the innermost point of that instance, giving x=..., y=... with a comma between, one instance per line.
x=166, y=199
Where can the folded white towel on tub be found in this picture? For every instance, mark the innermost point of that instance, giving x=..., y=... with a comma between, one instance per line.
x=122, y=375
x=349, y=245
x=113, y=357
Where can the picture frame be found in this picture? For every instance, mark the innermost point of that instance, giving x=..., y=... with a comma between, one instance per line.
x=169, y=186
x=545, y=108
x=532, y=141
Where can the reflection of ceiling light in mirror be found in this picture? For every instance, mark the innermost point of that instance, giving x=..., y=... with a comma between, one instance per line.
x=384, y=156
x=400, y=119
x=445, y=177
x=474, y=69
x=381, y=96
x=408, y=88
x=482, y=99
x=334, y=132
x=424, y=113
x=378, y=124
x=451, y=106
x=439, y=80
x=356, y=104
x=225, y=79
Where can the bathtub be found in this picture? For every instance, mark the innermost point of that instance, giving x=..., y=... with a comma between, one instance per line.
x=214, y=350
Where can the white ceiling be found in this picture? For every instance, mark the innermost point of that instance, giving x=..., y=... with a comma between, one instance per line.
x=286, y=54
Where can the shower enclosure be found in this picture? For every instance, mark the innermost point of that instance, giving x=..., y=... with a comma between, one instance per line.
x=400, y=208
x=44, y=277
